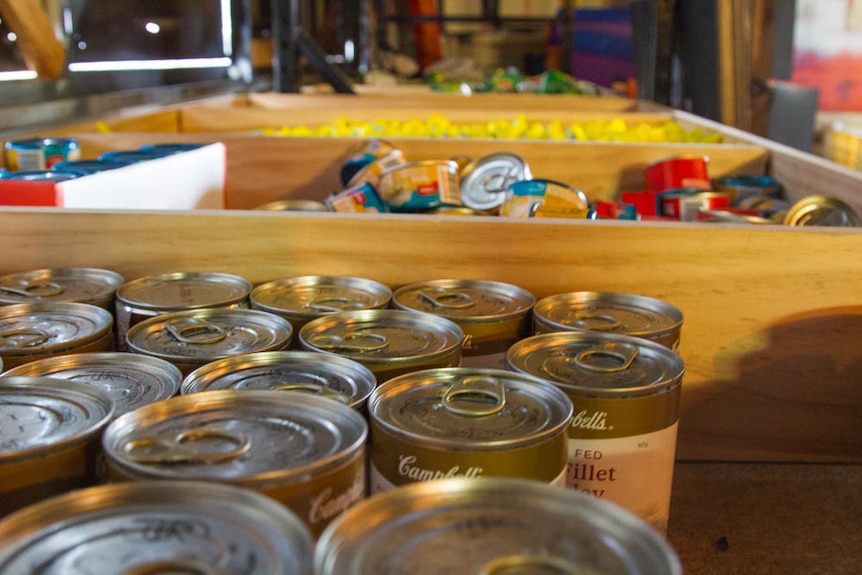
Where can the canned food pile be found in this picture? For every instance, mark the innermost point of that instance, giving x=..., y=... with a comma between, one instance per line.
x=518, y=128
x=192, y=402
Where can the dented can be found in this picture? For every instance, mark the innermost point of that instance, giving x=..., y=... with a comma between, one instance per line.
x=369, y=150
x=362, y=198
x=493, y=315
x=544, y=198
x=84, y=285
x=420, y=186
x=131, y=381
x=466, y=422
x=388, y=342
x=495, y=526
x=33, y=331
x=626, y=393
x=484, y=181
x=329, y=376
x=371, y=172
x=192, y=338
x=304, y=298
x=306, y=452
x=611, y=312
x=49, y=438
x=157, y=527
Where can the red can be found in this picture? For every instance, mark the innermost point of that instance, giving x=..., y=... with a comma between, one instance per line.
x=674, y=173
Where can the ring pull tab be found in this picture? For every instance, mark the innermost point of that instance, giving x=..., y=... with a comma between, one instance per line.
x=314, y=389
x=475, y=396
x=35, y=290
x=499, y=183
x=359, y=341
x=178, y=448
x=597, y=321
x=331, y=304
x=25, y=337
x=445, y=298
x=622, y=355
x=511, y=564
x=194, y=330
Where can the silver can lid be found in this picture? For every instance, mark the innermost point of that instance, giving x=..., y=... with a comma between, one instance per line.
x=51, y=327
x=470, y=408
x=490, y=525
x=466, y=300
x=598, y=364
x=254, y=438
x=130, y=380
x=156, y=527
x=40, y=414
x=623, y=313
x=204, y=335
x=184, y=290
x=84, y=285
x=303, y=371
x=308, y=297
x=383, y=336
x=484, y=181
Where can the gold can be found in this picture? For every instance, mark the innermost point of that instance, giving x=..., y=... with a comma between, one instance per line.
x=388, y=342
x=83, y=285
x=611, y=312
x=157, y=527
x=304, y=298
x=293, y=205
x=50, y=431
x=326, y=375
x=306, y=452
x=626, y=393
x=467, y=422
x=149, y=296
x=493, y=315
x=494, y=526
x=192, y=338
x=420, y=186
x=29, y=332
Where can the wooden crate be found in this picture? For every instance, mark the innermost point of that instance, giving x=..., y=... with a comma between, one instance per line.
x=773, y=314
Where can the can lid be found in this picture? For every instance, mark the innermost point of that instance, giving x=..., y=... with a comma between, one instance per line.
x=484, y=181
x=820, y=210
x=157, y=527
x=36, y=143
x=129, y=380
x=466, y=300
x=492, y=525
x=28, y=329
x=470, y=408
x=622, y=313
x=44, y=176
x=295, y=205
x=301, y=371
x=43, y=413
x=184, y=290
x=383, y=336
x=209, y=334
x=85, y=285
x=598, y=364
x=243, y=436
x=313, y=296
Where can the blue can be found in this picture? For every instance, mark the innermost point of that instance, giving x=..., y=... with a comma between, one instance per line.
x=38, y=154
x=131, y=156
x=170, y=148
x=88, y=166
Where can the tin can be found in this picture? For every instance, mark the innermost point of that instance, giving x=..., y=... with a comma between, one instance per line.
x=190, y=339
x=132, y=156
x=626, y=393
x=772, y=209
x=493, y=315
x=131, y=381
x=821, y=210
x=149, y=296
x=674, y=173
x=420, y=186
x=610, y=312
x=537, y=198
x=330, y=376
x=168, y=148
x=686, y=204
x=33, y=331
x=304, y=298
x=157, y=527
x=44, y=176
x=358, y=199
x=741, y=186
x=297, y=205
x=369, y=150
x=498, y=525
x=371, y=172
x=84, y=285
x=50, y=431
x=39, y=154
x=87, y=167
x=484, y=181
x=467, y=422
x=306, y=452
x=388, y=342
